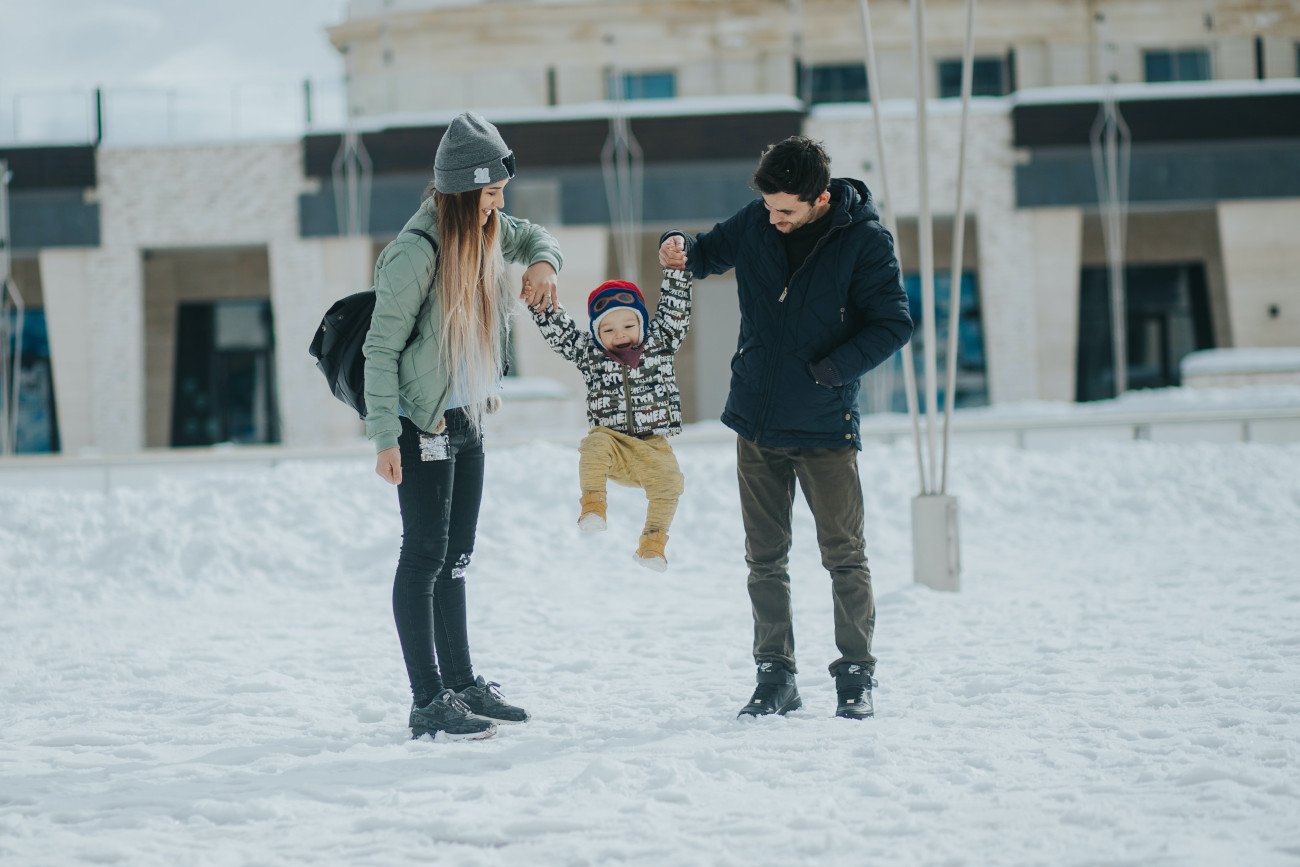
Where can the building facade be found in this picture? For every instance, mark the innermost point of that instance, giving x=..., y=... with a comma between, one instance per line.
x=177, y=286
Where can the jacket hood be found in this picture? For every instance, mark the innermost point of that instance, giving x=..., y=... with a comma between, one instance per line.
x=853, y=200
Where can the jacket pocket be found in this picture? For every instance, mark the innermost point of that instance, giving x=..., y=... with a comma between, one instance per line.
x=745, y=358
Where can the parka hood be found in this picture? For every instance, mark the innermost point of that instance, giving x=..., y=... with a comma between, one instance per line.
x=853, y=201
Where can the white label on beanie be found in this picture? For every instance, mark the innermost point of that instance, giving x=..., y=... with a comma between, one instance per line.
x=481, y=176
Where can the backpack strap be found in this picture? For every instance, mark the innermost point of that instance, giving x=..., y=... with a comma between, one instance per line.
x=415, y=332
x=426, y=236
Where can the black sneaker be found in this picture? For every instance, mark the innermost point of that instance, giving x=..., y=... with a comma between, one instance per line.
x=484, y=699
x=853, y=685
x=448, y=714
x=775, y=693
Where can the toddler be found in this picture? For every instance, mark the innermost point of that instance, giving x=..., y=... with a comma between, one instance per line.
x=633, y=404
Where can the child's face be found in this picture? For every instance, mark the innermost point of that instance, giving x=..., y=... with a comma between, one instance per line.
x=619, y=329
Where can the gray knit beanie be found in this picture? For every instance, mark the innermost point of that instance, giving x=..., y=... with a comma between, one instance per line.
x=471, y=154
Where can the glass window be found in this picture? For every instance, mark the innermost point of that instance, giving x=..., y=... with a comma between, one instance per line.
x=988, y=77
x=1188, y=64
x=840, y=82
x=643, y=85
x=38, y=429
x=883, y=388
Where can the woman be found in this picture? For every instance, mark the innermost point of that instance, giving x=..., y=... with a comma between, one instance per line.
x=434, y=356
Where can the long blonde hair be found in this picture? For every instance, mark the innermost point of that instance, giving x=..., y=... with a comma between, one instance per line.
x=475, y=305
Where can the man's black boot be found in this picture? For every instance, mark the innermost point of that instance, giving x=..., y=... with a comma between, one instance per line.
x=775, y=693
x=853, y=685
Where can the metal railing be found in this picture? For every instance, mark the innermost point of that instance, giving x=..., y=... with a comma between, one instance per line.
x=130, y=115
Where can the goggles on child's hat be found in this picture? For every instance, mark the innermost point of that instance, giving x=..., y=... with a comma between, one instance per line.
x=605, y=300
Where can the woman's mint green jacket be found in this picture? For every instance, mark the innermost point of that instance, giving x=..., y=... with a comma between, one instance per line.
x=415, y=377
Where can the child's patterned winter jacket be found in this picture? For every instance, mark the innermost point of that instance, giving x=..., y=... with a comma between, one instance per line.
x=636, y=401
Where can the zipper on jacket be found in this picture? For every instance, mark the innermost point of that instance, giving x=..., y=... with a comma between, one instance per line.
x=627, y=403
x=820, y=241
x=776, y=356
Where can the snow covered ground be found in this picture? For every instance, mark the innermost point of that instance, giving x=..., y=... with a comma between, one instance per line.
x=204, y=671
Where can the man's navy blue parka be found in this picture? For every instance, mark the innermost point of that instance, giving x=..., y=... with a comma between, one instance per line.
x=846, y=303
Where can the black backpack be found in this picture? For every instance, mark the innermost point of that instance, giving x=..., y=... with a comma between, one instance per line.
x=339, y=339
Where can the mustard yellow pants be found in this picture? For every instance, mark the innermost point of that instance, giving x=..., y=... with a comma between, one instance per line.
x=647, y=463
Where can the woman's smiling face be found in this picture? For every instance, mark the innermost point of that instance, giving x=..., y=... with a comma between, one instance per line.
x=492, y=198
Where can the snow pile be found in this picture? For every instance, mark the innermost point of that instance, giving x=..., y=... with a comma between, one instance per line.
x=204, y=671
x=1152, y=401
x=1243, y=360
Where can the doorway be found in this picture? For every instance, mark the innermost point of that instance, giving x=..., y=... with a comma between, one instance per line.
x=1167, y=316
x=225, y=374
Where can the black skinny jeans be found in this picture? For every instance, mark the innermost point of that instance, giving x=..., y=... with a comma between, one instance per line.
x=440, y=493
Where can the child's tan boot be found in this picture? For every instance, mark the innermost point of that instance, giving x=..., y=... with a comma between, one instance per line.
x=592, y=519
x=650, y=552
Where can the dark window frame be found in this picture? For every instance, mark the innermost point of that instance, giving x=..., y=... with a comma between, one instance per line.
x=209, y=406
x=829, y=83
x=1180, y=63
x=634, y=84
x=990, y=76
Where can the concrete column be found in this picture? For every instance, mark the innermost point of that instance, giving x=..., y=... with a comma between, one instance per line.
x=1008, y=292
x=1279, y=57
x=70, y=323
x=1261, y=263
x=307, y=276
x=94, y=308
x=1057, y=238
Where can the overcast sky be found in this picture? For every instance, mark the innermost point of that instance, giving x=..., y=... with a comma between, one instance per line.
x=88, y=43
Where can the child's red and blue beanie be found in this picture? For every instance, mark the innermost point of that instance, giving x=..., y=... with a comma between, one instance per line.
x=613, y=295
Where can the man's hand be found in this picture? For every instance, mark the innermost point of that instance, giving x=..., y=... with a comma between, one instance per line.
x=540, y=292
x=388, y=464
x=672, y=252
x=825, y=373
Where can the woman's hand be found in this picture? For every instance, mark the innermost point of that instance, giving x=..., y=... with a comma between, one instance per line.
x=539, y=291
x=388, y=464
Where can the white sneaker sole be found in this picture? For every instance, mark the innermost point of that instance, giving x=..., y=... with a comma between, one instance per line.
x=656, y=564
x=497, y=721
x=592, y=523
x=441, y=735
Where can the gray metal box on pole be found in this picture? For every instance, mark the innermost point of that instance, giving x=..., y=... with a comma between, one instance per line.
x=936, y=549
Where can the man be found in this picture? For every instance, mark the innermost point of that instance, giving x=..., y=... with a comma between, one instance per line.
x=821, y=303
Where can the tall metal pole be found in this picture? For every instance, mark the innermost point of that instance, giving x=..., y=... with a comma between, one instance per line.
x=877, y=104
x=623, y=168
x=936, y=551
x=4, y=221
x=925, y=233
x=351, y=173
x=804, y=82
x=958, y=240
x=1111, y=144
